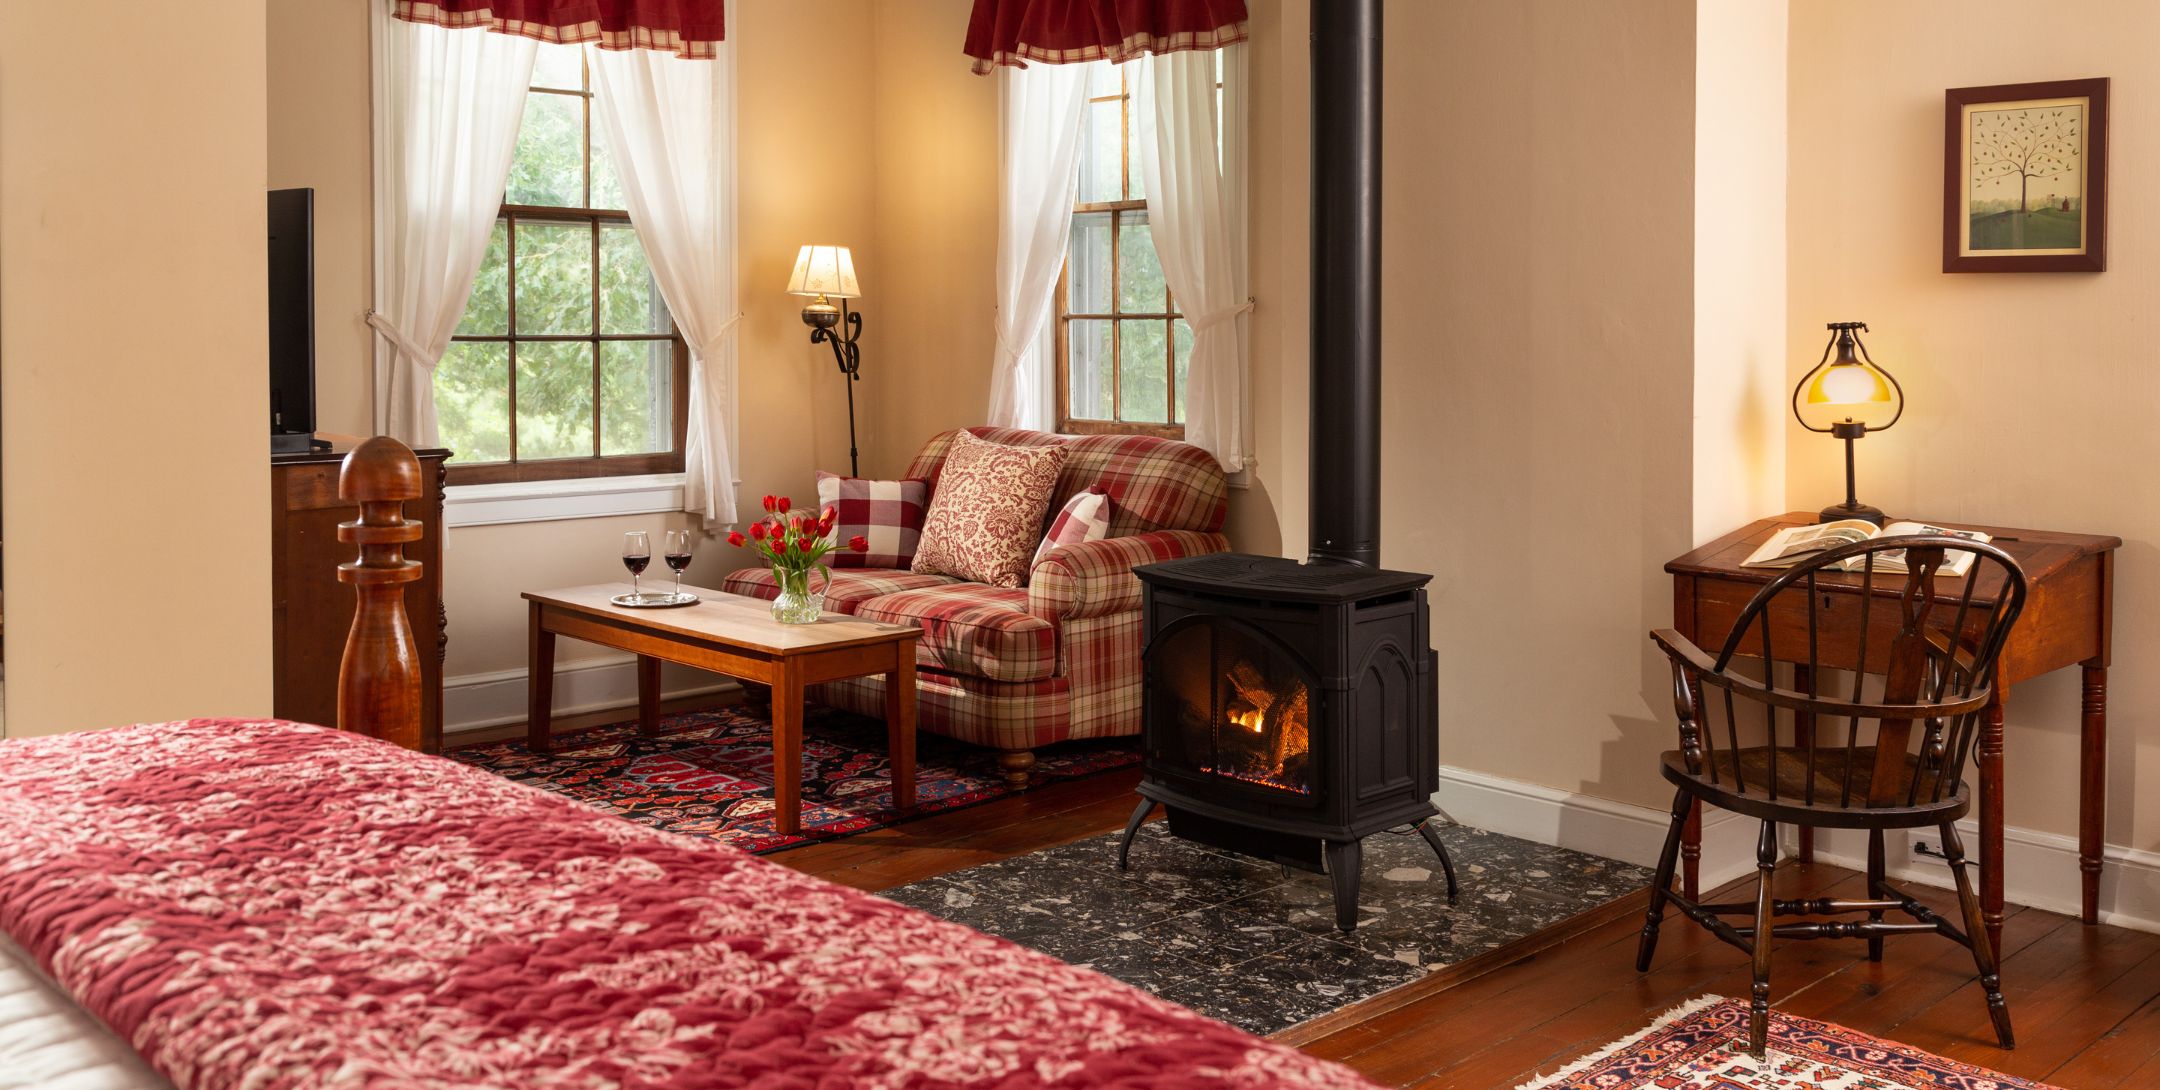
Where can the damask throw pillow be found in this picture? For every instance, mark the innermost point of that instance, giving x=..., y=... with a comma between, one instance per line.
x=987, y=513
x=1085, y=517
x=887, y=513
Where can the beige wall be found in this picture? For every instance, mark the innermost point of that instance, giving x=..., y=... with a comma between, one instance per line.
x=1537, y=361
x=2031, y=396
x=1740, y=172
x=1537, y=433
x=133, y=365
x=930, y=129
x=805, y=176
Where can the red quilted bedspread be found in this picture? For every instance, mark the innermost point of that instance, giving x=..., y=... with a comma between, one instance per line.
x=270, y=906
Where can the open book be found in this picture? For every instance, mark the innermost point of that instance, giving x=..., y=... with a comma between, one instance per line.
x=1794, y=544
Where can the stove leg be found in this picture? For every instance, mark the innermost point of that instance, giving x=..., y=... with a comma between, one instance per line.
x=1345, y=861
x=1447, y=866
x=1132, y=828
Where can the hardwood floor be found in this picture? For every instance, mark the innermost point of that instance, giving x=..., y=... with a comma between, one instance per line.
x=2086, y=1000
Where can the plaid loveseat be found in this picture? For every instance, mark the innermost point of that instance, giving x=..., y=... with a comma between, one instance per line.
x=1059, y=658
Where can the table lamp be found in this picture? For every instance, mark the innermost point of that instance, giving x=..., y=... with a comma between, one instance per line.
x=828, y=272
x=1848, y=397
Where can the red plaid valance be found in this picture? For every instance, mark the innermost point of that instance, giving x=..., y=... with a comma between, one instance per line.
x=686, y=28
x=1014, y=32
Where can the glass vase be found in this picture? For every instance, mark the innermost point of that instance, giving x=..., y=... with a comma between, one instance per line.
x=797, y=604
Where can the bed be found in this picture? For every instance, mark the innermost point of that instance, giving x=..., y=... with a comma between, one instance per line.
x=220, y=904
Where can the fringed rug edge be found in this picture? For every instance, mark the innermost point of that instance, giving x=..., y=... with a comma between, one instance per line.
x=1537, y=1082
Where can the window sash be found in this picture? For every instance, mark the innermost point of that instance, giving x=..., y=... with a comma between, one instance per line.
x=595, y=464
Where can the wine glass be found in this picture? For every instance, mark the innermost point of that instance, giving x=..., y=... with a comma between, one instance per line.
x=678, y=552
x=636, y=553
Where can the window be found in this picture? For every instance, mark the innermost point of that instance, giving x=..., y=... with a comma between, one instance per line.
x=1122, y=345
x=567, y=363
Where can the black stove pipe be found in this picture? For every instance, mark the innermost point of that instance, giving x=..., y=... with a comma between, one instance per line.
x=1345, y=484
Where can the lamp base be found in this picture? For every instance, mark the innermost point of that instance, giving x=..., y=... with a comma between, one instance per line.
x=1862, y=511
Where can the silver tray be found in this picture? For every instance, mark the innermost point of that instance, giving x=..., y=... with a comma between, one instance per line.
x=654, y=601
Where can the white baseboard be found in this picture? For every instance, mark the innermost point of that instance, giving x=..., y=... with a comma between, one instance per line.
x=2040, y=870
x=1585, y=823
x=478, y=701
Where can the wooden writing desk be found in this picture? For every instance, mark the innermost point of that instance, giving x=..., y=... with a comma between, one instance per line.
x=2068, y=621
x=737, y=636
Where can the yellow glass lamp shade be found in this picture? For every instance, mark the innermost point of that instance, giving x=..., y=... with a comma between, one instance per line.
x=1849, y=384
x=1849, y=391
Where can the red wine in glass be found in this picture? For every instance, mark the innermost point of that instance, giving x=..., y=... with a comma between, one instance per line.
x=636, y=553
x=678, y=556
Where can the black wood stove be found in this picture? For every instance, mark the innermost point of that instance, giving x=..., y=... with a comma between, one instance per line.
x=1290, y=709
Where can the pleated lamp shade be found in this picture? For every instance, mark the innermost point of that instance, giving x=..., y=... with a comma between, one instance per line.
x=825, y=270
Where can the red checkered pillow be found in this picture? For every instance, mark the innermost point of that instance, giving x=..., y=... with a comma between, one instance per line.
x=1085, y=517
x=888, y=513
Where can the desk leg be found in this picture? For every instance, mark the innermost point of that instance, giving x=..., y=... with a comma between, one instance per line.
x=1991, y=813
x=1691, y=852
x=2092, y=789
x=539, y=683
x=787, y=715
x=648, y=695
x=900, y=725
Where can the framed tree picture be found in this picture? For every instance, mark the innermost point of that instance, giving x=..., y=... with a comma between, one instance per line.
x=2025, y=177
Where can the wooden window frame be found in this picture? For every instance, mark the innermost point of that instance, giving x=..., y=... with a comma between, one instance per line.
x=1067, y=423
x=596, y=220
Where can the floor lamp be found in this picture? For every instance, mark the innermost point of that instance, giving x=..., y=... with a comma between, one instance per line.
x=828, y=272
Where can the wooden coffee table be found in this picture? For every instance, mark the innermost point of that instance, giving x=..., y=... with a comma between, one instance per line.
x=734, y=635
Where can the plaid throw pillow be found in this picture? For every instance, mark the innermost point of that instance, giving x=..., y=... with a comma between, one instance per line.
x=1085, y=517
x=888, y=513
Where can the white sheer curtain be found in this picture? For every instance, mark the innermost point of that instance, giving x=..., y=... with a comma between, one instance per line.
x=1040, y=108
x=1196, y=206
x=447, y=106
x=670, y=123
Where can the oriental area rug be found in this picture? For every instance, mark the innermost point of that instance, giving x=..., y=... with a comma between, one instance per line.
x=1703, y=1046
x=1254, y=944
x=710, y=774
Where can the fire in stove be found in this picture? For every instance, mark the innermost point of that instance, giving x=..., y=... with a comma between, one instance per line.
x=1264, y=740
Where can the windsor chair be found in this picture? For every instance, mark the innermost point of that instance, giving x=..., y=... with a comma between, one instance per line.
x=1884, y=746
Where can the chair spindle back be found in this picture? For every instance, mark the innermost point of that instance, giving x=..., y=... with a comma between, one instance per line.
x=1908, y=697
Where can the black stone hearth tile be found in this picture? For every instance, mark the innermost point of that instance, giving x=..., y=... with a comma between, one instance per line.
x=1327, y=971
x=1219, y=937
x=933, y=895
x=1254, y=1004
x=1060, y=938
x=1254, y=943
x=1027, y=878
x=1142, y=966
x=1197, y=874
x=1105, y=902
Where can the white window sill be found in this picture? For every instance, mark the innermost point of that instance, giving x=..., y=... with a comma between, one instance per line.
x=552, y=501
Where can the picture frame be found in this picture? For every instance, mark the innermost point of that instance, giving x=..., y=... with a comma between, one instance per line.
x=2025, y=177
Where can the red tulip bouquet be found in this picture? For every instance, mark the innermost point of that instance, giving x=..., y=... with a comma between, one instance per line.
x=794, y=544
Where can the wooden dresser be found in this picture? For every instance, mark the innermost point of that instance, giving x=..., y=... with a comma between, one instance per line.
x=312, y=611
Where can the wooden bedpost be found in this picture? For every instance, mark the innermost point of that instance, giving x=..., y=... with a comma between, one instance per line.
x=379, y=677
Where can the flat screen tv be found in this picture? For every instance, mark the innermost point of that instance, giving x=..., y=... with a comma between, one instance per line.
x=292, y=319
